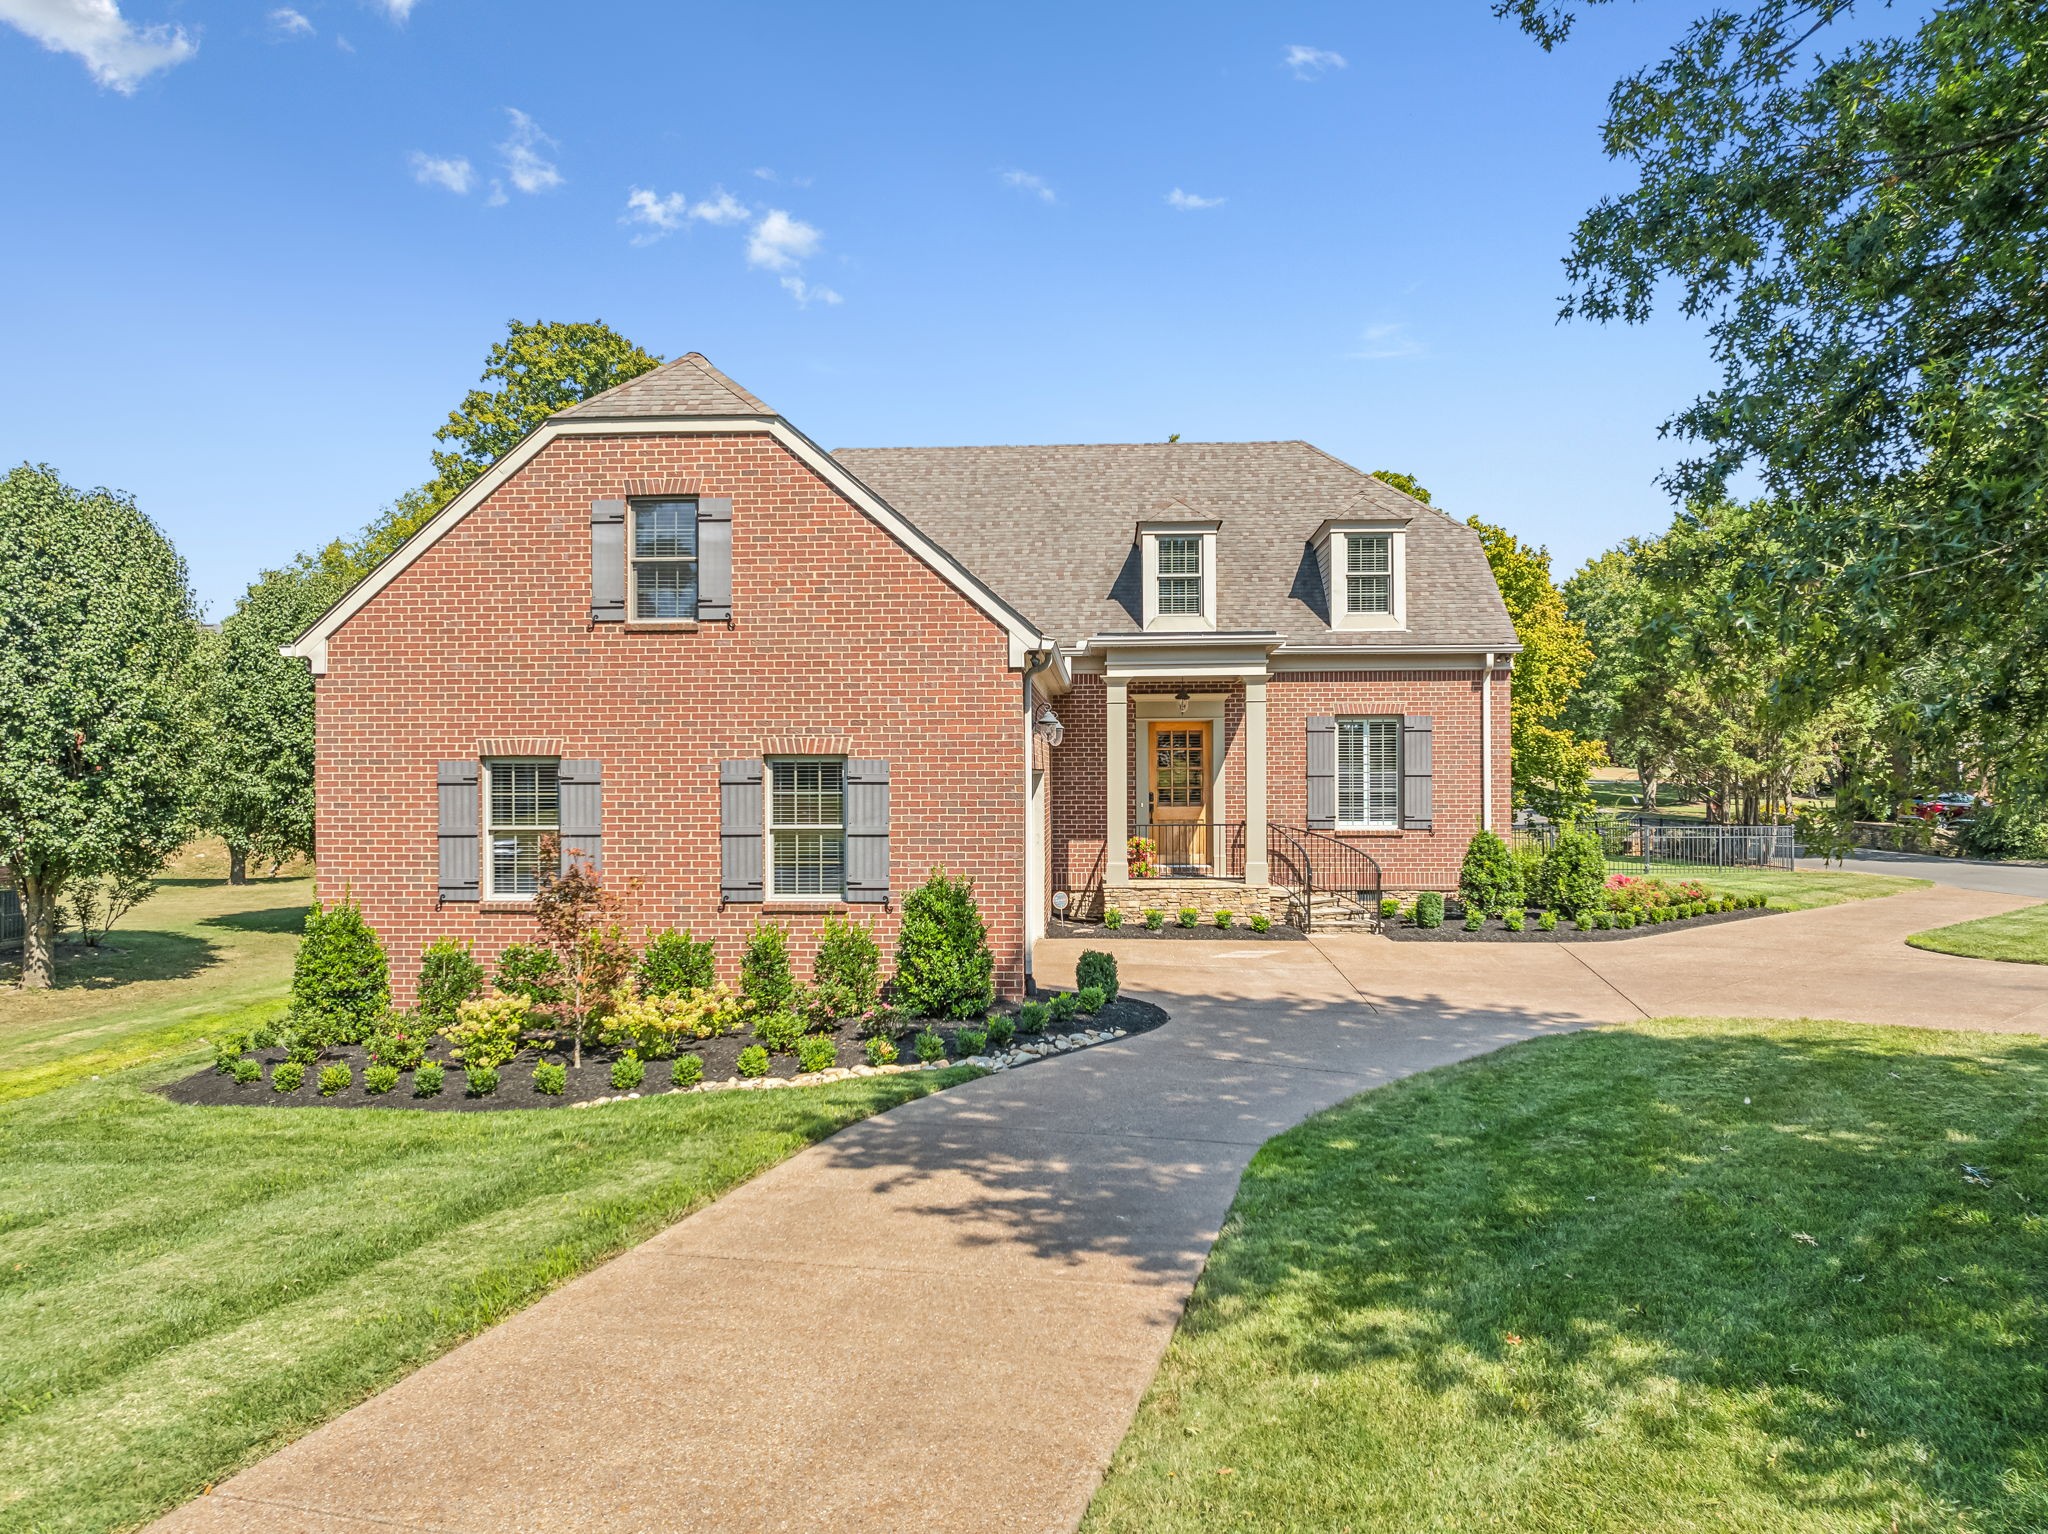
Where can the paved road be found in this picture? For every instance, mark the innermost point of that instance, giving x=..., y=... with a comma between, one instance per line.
x=2029, y=879
x=943, y=1318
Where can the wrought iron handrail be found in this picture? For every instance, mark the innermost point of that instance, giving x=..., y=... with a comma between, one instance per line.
x=1205, y=849
x=1333, y=867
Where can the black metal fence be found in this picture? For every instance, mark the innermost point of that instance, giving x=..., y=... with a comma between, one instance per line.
x=1678, y=845
x=1194, y=850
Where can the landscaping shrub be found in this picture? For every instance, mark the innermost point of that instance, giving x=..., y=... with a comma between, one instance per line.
x=398, y=1040
x=930, y=1046
x=1626, y=918
x=887, y=1021
x=1063, y=1006
x=1488, y=880
x=228, y=1051
x=1224, y=918
x=753, y=1061
x=1429, y=909
x=1512, y=919
x=245, y=1071
x=1547, y=921
x=265, y=1037
x=336, y=1078
x=379, y=1079
x=301, y=1048
x=849, y=964
x=969, y=1041
x=657, y=1026
x=815, y=1052
x=675, y=964
x=628, y=1072
x=943, y=964
x=880, y=1051
x=686, y=1071
x=532, y=973
x=487, y=1029
x=1528, y=861
x=1000, y=1029
x=1390, y=908
x=2013, y=828
x=766, y=984
x=1154, y=920
x=1090, y=1000
x=1189, y=916
x=1260, y=921
x=480, y=1080
x=1574, y=874
x=779, y=1031
x=1098, y=969
x=340, y=976
x=1474, y=920
x=449, y=976
x=288, y=1077
x=1031, y=1018
x=1112, y=918
x=426, y=1081
x=550, y=1077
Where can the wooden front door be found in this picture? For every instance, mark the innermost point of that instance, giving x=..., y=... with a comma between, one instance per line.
x=1177, y=792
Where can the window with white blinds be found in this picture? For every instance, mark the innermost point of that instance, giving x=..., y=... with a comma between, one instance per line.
x=807, y=829
x=664, y=562
x=1180, y=575
x=1368, y=573
x=524, y=804
x=1369, y=773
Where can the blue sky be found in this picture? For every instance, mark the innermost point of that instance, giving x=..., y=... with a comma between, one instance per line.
x=254, y=254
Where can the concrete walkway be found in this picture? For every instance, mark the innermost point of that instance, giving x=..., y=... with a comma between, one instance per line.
x=943, y=1318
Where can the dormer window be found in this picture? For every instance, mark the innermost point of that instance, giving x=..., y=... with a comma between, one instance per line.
x=1179, y=570
x=1369, y=573
x=1365, y=570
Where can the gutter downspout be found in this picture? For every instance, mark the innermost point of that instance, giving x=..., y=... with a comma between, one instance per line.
x=1486, y=745
x=1034, y=874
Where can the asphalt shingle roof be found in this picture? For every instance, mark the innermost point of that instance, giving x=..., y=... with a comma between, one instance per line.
x=1052, y=531
x=690, y=385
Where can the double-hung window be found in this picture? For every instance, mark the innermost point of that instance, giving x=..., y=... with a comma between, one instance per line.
x=807, y=829
x=664, y=560
x=1369, y=773
x=1180, y=575
x=1368, y=573
x=524, y=804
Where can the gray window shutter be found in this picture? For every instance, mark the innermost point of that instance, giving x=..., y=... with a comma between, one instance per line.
x=581, y=785
x=739, y=831
x=461, y=819
x=607, y=561
x=1322, y=773
x=714, y=559
x=1416, y=772
x=867, y=832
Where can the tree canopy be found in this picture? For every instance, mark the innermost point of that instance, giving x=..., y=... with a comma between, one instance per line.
x=1405, y=483
x=97, y=733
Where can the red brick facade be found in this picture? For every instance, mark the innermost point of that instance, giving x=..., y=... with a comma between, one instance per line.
x=840, y=635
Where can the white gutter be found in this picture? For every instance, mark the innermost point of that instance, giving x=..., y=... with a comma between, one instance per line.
x=1486, y=745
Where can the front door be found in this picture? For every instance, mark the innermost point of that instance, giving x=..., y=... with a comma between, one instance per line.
x=1177, y=793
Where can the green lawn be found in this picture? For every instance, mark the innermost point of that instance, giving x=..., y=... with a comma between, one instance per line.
x=2018, y=937
x=199, y=957
x=1684, y=1275
x=185, y=1289
x=1799, y=889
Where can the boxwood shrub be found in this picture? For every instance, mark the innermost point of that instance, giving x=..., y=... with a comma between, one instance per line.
x=1429, y=909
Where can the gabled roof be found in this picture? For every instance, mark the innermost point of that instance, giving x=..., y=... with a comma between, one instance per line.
x=688, y=386
x=1049, y=529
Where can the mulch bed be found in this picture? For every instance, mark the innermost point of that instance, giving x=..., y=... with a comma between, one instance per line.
x=1453, y=929
x=214, y=1089
x=1207, y=933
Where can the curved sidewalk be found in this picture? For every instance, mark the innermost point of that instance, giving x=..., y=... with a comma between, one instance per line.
x=943, y=1318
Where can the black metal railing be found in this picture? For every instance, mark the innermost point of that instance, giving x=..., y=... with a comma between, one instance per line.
x=1319, y=864
x=1651, y=843
x=1190, y=850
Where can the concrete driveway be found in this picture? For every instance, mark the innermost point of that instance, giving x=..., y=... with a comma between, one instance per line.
x=943, y=1318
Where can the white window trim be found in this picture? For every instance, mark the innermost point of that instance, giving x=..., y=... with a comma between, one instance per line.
x=771, y=895
x=487, y=856
x=1336, y=560
x=633, y=510
x=1368, y=823
x=1149, y=534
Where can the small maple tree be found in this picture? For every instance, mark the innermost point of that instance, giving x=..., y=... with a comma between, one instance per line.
x=579, y=921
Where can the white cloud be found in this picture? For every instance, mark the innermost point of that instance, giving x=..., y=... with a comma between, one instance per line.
x=453, y=172
x=1188, y=202
x=779, y=242
x=497, y=199
x=399, y=11
x=807, y=294
x=286, y=22
x=1025, y=181
x=526, y=163
x=1310, y=63
x=1379, y=343
x=119, y=53
x=659, y=213
x=721, y=208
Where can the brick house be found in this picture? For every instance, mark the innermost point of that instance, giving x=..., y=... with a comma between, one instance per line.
x=749, y=678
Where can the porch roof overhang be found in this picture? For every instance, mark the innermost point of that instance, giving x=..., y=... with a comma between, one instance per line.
x=1182, y=654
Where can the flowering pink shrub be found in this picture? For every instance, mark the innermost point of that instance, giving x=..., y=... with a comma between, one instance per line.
x=1638, y=893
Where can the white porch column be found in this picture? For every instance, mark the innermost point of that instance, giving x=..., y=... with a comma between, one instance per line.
x=1255, y=870
x=1116, y=867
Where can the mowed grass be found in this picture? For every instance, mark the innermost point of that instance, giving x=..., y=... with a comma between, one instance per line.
x=1798, y=889
x=199, y=957
x=2017, y=937
x=1688, y=1275
x=185, y=1289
